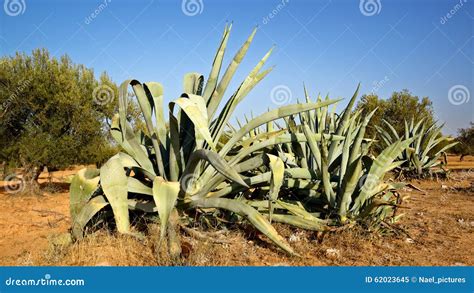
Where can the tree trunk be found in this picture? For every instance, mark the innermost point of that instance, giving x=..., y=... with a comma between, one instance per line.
x=4, y=169
x=30, y=179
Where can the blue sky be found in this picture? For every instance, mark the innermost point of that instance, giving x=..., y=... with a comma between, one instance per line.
x=424, y=46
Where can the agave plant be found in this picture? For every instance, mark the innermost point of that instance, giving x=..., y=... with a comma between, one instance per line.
x=424, y=151
x=192, y=161
x=327, y=174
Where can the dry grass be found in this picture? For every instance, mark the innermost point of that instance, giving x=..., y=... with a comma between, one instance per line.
x=439, y=226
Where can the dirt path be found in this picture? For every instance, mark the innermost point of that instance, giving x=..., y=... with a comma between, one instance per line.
x=439, y=223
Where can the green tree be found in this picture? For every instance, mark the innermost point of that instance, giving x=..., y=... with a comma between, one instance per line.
x=400, y=106
x=52, y=113
x=466, y=142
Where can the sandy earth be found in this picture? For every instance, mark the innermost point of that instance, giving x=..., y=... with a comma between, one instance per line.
x=437, y=230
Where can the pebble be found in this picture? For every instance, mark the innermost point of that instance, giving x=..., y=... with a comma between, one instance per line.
x=294, y=238
x=333, y=253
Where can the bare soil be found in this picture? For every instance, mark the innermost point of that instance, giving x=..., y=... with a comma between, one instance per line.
x=437, y=229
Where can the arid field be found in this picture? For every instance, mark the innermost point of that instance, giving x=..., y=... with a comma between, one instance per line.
x=437, y=229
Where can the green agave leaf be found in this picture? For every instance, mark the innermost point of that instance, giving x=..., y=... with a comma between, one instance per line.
x=270, y=116
x=254, y=217
x=436, y=156
x=152, y=90
x=88, y=211
x=136, y=186
x=194, y=106
x=83, y=185
x=176, y=159
x=300, y=222
x=217, y=95
x=123, y=107
x=343, y=122
x=313, y=146
x=218, y=163
x=130, y=144
x=392, y=129
x=165, y=194
x=349, y=185
x=345, y=153
x=114, y=184
x=216, y=66
x=192, y=83
x=245, y=87
x=160, y=128
x=298, y=211
x=282, y=139
x=377, y=171
x=144, y=206
x=277, y=169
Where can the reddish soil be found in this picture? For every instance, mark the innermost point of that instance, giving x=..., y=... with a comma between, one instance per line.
x=437, y=230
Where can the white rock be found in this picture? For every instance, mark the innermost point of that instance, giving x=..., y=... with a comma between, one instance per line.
x=333, y=253
x=294, y=238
